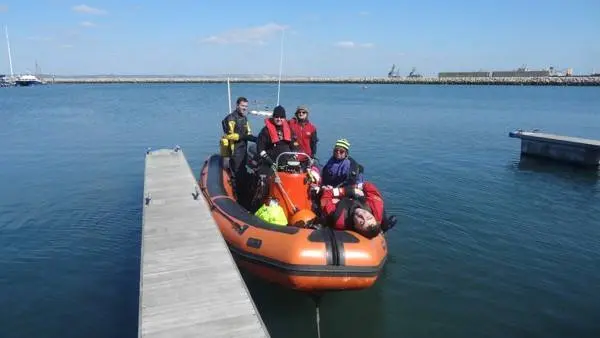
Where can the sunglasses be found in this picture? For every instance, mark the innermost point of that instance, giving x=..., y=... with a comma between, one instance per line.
x=339, y=150
x=302, y=112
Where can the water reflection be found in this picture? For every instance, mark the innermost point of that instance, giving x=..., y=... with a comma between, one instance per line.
x=558, y=169
x=288, y=313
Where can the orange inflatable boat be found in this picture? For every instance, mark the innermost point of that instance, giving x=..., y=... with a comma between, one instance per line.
x=299, y=258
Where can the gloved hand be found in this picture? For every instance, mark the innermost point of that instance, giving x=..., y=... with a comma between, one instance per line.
x=265, y=157
x=249, y=138
x=232, y=137
x=344, y=192
x=353, y=192
x=314, y=176
x=388, y=222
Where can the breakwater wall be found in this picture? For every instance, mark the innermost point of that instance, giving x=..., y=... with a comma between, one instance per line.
x=531, y=81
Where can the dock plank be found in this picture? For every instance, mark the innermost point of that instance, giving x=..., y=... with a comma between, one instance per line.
x=189, y=283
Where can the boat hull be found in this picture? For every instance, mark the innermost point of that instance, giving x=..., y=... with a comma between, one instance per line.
x=27, y=83
x=296, y=258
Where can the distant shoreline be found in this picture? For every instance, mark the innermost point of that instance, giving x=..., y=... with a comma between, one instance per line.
x=534, y=81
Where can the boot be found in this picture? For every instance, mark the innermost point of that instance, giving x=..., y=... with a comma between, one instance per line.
x=388, y=223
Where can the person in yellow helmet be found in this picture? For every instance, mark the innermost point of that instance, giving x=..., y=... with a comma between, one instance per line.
x=272, y=212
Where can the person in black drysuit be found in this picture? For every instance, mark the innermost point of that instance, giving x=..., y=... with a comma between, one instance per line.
x=275, y=138
x=237, y=130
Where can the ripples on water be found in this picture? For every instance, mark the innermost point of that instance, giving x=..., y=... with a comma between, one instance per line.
x=488, y=244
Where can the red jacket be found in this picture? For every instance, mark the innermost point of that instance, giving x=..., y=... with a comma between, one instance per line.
x=339, y=208
x=306, y=135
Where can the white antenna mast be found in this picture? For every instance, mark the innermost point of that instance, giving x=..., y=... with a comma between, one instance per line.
x=9, y=57
x=264, y=112
x=280, y=65
x=228, y=96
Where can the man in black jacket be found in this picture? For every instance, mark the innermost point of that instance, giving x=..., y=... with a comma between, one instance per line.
x=237, y=132
x=276, y=136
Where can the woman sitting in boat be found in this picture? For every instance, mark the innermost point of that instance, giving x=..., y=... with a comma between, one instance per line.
x=341, y=169
x=358, y=208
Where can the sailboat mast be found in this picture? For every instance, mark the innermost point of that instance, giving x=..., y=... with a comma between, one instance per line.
x=280, y=66
x=9, y=57
x=9, y=54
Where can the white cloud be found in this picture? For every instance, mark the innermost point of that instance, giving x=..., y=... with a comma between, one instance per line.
x=88, y=10
x=253, y=35
x=3, y=8
x=87, y=24
x=352, y=44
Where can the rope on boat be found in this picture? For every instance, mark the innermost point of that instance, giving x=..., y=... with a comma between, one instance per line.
x=317, y=299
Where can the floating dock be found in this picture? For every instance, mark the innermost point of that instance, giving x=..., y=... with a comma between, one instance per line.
x=189, y=283
x=574, y=150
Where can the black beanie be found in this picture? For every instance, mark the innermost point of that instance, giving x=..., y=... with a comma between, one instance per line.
x=279, y=111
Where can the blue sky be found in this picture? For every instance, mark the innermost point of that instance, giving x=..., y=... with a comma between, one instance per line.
x=329, y=38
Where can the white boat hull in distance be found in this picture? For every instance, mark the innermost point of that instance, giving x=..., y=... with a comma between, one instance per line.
x=28, y=80
x=261, y=113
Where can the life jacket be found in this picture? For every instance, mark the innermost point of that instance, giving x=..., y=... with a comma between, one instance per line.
x=272, y=213
x=274, y=136
x=304, y=132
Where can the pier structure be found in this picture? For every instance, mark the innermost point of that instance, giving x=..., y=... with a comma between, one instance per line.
x=575, y=150
x=190, y=285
